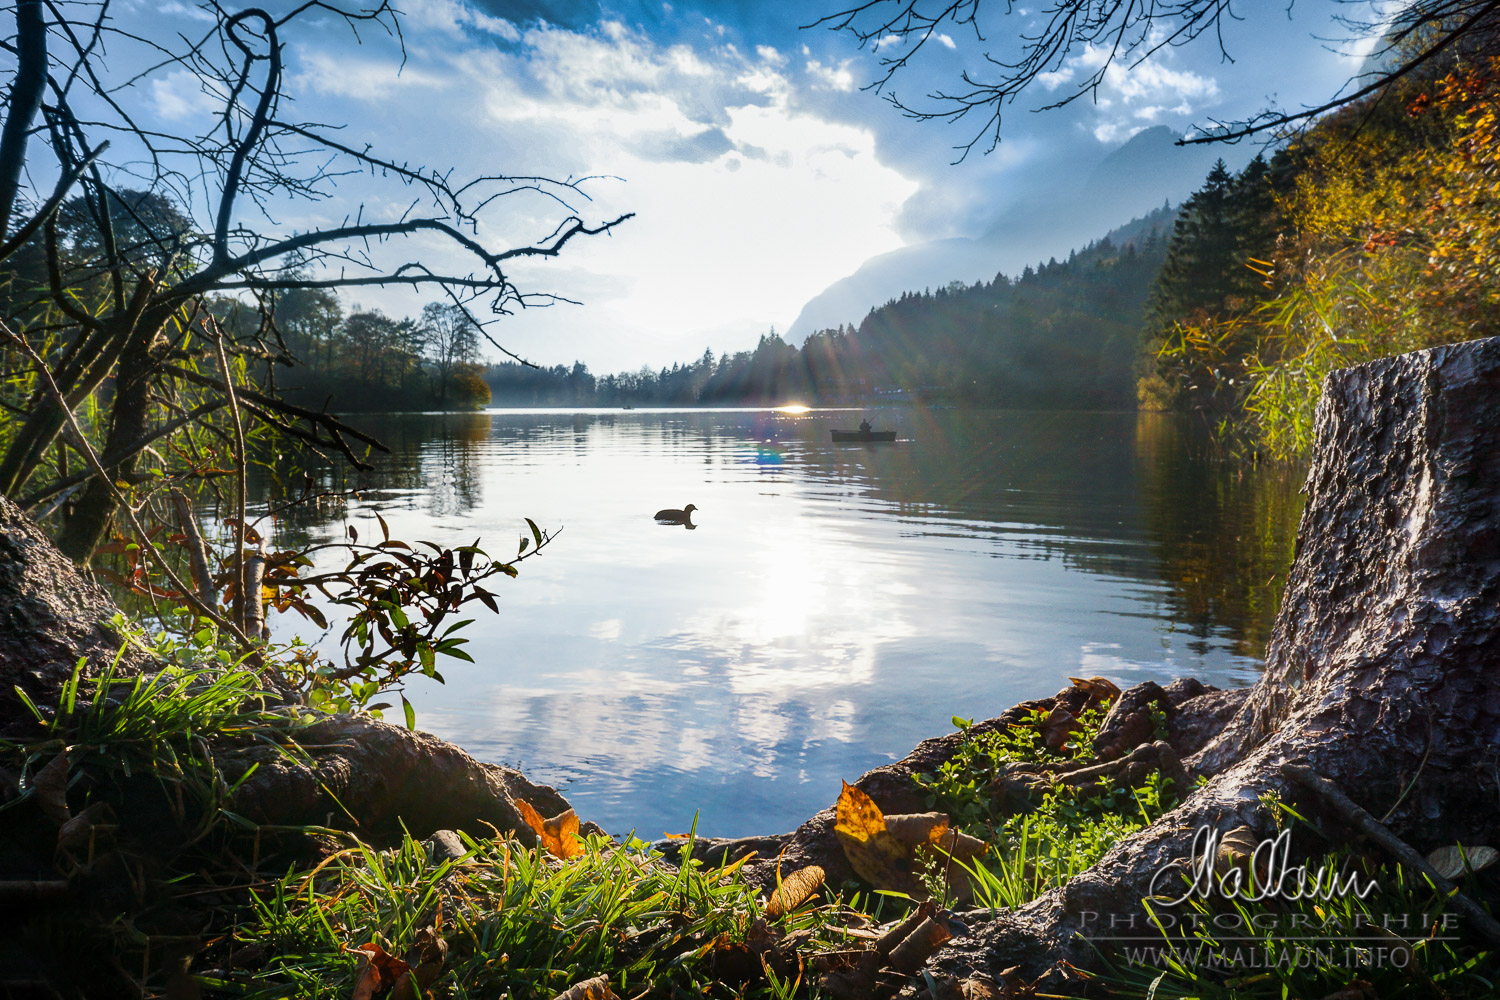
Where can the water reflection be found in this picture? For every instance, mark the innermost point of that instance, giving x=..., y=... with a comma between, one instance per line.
x=835, y=604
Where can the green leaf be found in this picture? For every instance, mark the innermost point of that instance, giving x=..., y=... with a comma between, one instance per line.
x=536, y=533
x=411, y=713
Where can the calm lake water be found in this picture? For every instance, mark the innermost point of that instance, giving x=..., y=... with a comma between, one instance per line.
x=834, y=604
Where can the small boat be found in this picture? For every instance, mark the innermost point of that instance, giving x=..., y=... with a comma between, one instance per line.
x=858, y=437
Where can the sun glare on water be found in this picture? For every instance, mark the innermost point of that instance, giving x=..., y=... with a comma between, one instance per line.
x=793, y=408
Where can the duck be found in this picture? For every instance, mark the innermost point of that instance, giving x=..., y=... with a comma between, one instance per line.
x=674, y=516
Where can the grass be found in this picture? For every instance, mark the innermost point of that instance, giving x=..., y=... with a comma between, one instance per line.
x=521, y=924
x=1039, y=849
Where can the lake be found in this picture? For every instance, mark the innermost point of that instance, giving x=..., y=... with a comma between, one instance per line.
x=833, y=605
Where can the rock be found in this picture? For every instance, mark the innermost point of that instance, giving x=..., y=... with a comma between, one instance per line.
x=445, y=845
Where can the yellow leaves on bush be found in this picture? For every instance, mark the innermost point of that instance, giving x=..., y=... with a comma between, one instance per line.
x=559, y=835
x=886, y=851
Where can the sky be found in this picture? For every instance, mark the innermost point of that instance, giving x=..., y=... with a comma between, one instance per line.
x=758, y=169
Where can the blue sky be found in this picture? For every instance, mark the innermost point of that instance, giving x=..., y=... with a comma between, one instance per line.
x=760, y=172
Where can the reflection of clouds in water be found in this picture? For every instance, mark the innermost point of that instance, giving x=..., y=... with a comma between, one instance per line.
x=607, y=631
x=718, y=713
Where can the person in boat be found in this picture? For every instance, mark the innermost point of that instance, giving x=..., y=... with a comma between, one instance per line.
x=864, y=426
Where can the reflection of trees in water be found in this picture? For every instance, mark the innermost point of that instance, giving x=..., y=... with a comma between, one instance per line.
x=1223, y=532
x=432, y=466
x=1121, y=495
x=1107, y=494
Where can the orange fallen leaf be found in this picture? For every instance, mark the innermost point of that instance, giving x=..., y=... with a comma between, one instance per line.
x=590, y=989
x=559, y=835
x=1058, y=728
x=378, y=972
x=882, y=849
x=1098, y=688
x=873, y=851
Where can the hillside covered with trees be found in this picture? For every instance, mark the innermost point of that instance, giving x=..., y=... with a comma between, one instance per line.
x=1063, y=335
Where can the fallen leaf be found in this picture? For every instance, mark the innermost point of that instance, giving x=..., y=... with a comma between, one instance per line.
x=918, y=946
x=559, y=835
x=873, y=851
x=794, y=890
x=590, y=989
x=425, y=960
x=75, y=832
x=378, y=972
x=50, y=786
x=1058, y=728
x=898, y=932
x=883, y=850
x=1453, y=862
x=1098, y=688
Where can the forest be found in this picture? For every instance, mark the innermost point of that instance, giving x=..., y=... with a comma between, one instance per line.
x=1062, y=335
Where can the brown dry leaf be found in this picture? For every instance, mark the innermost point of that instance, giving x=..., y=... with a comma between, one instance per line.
x=916, y=829
x=559, y=835
x=1236, y=849
x=75, y=832
x=1098, y=688
x=50, y=786
x=873, y=851
x=1058, y=728
x=918, y=946
x=590, y=989
x=1450, y=862
x=378, y=972
x=794, y=890
x=1358, y=989
x=425, y=959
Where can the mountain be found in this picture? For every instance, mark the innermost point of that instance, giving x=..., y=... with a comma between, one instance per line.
x=1134, y=178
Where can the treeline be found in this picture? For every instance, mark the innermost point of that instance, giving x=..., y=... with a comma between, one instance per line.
x=1065, y=334
x=359, y=359
x=365, y=360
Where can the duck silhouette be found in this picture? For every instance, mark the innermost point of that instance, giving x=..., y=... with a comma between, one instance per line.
x=672, y=515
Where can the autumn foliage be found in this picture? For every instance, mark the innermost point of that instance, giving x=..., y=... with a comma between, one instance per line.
x=1385, y=239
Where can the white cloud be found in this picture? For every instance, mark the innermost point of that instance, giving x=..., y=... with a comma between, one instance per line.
x=831, y=77
x=370, y=79
x=748, y=201
x=945, y=41
x=181, y=94
x=1129, y=95
x=770, y=55
x=454, y=17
